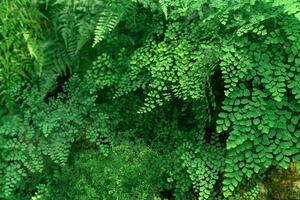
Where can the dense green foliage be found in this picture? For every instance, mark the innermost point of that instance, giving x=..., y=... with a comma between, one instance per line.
x=145, y=99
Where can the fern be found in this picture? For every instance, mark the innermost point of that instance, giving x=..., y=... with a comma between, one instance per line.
x=143, y=110
x=164, y=8
x=110, y=18
x=259, y=112
x=188, y=80
x=20, y=34
x=203, y=166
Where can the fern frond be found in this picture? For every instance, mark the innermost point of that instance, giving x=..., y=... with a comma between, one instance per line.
x=164, y=7
x=107, y=22
x=110, y=18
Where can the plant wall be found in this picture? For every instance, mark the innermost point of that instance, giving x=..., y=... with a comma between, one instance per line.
x=147, y=99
